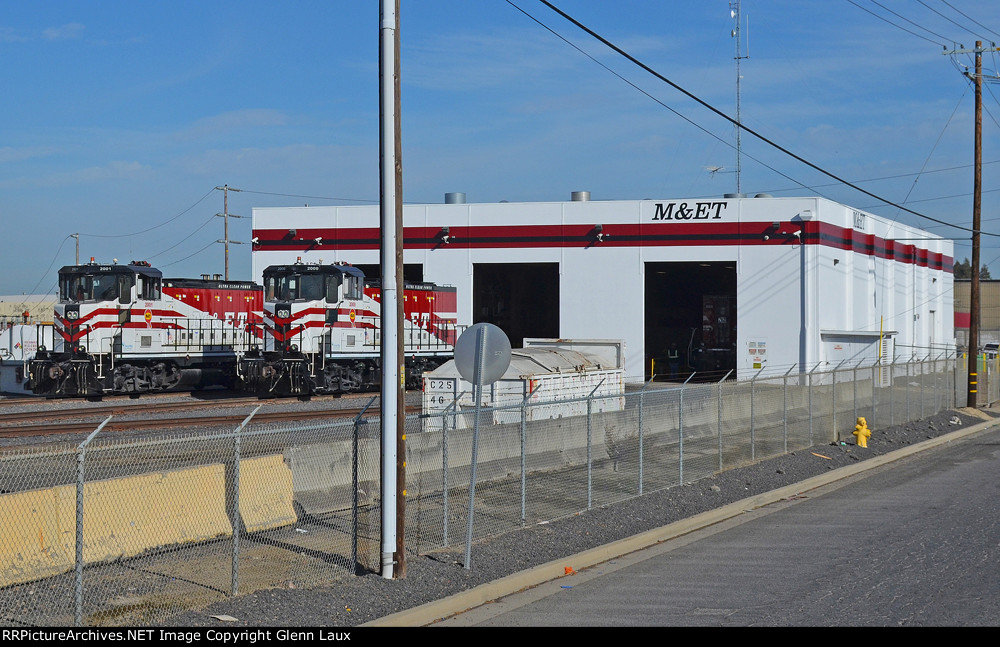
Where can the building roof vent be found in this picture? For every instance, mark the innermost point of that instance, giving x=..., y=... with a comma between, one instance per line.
x=580, y=196
x=454, y=198
x=763, y=195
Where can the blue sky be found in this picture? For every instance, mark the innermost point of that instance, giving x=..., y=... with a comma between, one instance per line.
x=120, y=118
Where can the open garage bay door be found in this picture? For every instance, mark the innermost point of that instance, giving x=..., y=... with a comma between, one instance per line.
x=522, y=299
x=691, y=311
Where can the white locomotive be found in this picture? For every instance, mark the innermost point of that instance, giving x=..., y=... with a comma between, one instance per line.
x=322, y=331
x=126, y=329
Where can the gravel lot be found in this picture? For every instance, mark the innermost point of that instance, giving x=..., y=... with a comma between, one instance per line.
x=357, y=600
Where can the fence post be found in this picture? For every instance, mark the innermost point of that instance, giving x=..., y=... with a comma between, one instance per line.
x=354, y=478
x=892, y=382
x=784, y=408
x=909, y=416
x=680, y=430
x=642, y=395
x=836, y=432
x=524, y=452
x=720, y=415
x=590, y=446
x=923, y=378
x=937, y=383
x=855, y=380
x=233, y=491
x=809, y=377
x=875, y=368
x=78, y=585
x=753, y=444
x=444, y=459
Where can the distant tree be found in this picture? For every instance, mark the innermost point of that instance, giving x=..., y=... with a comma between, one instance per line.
x=963, y=270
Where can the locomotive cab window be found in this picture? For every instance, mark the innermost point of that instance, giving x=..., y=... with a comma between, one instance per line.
x=333, y=289
x=147, y=288
x=294, y=287
x=311, y=287
x=99, y=287
x=124, y=292
x=352, y=287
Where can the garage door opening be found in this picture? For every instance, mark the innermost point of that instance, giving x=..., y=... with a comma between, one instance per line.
x=521, y=299
x=691, y=312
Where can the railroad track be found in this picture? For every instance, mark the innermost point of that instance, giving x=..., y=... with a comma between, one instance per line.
x=123, y=409
x=67, y=427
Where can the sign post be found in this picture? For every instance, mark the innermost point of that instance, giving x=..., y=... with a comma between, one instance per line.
x=482, y=356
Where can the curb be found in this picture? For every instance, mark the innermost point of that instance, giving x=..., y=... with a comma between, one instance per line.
x=433, y=611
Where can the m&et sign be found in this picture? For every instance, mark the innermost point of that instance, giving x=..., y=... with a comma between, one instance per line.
x=689, y=210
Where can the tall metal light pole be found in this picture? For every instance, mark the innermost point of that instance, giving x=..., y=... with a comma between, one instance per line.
x=77, y=236
x=393, y=369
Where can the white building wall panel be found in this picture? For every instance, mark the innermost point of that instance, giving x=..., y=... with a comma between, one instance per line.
x=846, y=274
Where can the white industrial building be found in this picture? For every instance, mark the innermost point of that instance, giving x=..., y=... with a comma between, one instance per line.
x=744, y=284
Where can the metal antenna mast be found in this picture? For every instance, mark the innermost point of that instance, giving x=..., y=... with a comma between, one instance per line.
x=734, y=13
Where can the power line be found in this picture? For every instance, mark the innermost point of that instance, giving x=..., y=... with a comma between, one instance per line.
x=167, y=222
x=764, y=139
x=895, y=25
x=949, y=19
x=941, y=197
x=933, y=148
x=901, y=17
x=188, y=256
x=50, y=264
x=970, y=18
x=308, y=197
x=894, y=177
x=210, y=219
x=636, y=87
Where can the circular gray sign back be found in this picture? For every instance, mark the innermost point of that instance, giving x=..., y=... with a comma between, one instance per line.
x=496, y=353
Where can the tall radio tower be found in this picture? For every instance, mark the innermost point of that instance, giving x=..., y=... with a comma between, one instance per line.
x=734, y=13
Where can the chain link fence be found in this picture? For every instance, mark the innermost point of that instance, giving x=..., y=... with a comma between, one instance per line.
x=130, y=531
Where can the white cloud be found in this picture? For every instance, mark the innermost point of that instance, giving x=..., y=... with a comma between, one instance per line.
x=8, y=35
x=89, y=175
x=64, y=32
x=9, y=154
x=233, y=121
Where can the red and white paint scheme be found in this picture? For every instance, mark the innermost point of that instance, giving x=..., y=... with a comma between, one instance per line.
x=322, y=331
x=810, y=282
x=126, y=329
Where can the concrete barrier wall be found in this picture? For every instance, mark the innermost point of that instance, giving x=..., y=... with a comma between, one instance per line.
x=127, y=516
x=321, y=472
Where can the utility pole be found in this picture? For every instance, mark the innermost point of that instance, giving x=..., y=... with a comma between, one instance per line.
x=977, y=200
x=391, y=251
x=77, y=236
x=225, y=215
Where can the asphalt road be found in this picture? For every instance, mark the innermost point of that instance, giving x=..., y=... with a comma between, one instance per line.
x=913, y=543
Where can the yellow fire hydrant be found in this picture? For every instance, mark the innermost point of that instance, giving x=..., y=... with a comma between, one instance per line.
x=862, y=432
